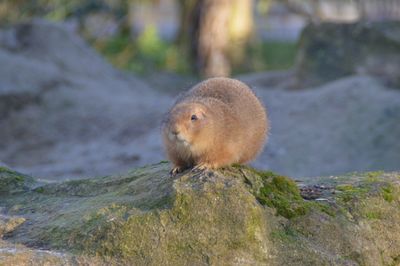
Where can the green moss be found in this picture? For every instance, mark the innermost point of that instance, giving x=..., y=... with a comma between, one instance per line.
x=324, y=208
x=373, y=215
x=93, y=233
x=12, y=181
x=196, y=211
x=387, y=192
x=372, y=184
x=5, y=170
x=286, y=234
x=254, y=224
x=350, y=192
x=345, y=187
x=372, y=177
x=281, y=193
x=206, y=220
x=396, y=260
x=39, y=190
x=15, y=175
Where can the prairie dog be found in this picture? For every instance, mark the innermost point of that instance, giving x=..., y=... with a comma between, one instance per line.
x=216, y=123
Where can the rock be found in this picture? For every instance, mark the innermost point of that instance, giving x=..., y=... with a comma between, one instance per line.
x=3, y=164
x=350, y=124
x=11, y=254
x=12, y=182
x=54, y=44
x=235, y=215
x=8, y=224
x=329, y=51
x=62, y=107
x=65, y=113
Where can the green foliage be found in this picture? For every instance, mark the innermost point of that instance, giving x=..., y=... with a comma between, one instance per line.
x=147, y=53
x=150, y=44
x=269, y=55
x=12, y=11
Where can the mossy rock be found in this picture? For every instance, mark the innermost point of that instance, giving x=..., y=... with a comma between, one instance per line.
x=13, y=182
x=233, y=216
x=329, y=51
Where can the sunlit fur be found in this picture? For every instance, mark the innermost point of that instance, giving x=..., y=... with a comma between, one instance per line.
x=231, y=125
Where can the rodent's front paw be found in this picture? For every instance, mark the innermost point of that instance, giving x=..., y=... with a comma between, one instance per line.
x=176, y=170
x=200, y=168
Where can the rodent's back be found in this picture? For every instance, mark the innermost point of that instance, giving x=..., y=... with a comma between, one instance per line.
x=251, y=128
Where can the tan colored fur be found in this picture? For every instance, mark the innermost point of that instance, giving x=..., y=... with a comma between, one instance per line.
x=231, y=125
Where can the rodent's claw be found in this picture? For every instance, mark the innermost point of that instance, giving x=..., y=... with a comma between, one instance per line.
x=199, y=168
x=176, y=170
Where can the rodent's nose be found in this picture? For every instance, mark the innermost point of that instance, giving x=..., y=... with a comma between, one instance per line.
x=173, y=130
x=173, y=134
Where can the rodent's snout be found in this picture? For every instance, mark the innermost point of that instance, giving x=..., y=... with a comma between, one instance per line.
x=172, y=131
x=179, y=124
x=175, y=134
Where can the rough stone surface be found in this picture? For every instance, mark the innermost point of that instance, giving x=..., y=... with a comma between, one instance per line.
x=234, y=216
x=329, y=51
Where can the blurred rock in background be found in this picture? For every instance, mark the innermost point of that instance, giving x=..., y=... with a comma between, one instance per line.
x=66, y=113
x=329, y=51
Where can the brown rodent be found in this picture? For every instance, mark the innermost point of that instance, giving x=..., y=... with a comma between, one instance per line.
x=216, y=123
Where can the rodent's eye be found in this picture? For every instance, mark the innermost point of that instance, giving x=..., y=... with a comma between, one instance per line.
x=194, y=117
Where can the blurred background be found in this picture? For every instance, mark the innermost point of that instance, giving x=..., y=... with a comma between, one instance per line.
x=84, y=84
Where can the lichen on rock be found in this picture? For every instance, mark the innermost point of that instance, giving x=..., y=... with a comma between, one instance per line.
x=232, y=216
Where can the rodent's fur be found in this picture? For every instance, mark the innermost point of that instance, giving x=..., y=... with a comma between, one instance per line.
x=216, y=123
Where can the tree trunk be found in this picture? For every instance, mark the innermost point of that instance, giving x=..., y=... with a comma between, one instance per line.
x=186, y=14
x=210, y=37
x=241, y=26
x=217, y=32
